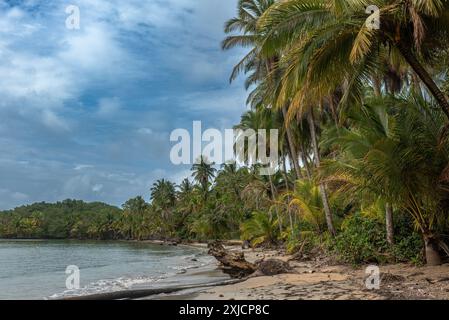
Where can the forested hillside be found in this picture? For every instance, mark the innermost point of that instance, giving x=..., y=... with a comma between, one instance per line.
x=62, y=220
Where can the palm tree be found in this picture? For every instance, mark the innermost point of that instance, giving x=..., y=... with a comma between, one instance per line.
x=203, y=172
x=397, y=150
x=132, y=224
x=260, y=229
x=329, y=43
x=163, y=196
x=185, y=187
x=186, y=203
x=306, y=200
x=253, y=64
x=323, y=187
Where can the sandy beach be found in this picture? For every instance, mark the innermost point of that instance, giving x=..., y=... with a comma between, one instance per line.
x=320, y=279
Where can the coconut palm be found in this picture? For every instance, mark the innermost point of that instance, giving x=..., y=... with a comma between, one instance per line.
x=260, y=229
x=398, y=150
x=134, y=213
x=163, y=196
x=305, y=200
x=254, y=65
x=329, y=43
x=203, y=172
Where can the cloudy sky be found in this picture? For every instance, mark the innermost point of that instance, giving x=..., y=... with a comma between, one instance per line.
x=87, y=113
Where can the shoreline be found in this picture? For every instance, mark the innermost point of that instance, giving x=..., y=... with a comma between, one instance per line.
x=322, y=279
x=315, y=278
x=191, y=278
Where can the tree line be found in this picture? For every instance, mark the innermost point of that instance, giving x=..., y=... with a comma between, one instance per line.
x=364, y=147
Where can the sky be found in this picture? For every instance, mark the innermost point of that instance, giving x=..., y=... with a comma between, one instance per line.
x=87, y=113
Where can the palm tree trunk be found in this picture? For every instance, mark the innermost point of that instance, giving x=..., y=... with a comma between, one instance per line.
x=377, y=86
x=416, y=86
x=424, y=76
x=432, y=255
x=327, y=209
x=389, y=223
x=284, y=173
x=273, y=197
x=388, y=207
x=333, y=108
x=305, y=161
x=288, y=199
x=291, y=145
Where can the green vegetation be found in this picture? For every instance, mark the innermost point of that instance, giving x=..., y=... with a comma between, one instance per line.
x=62, y=220
x=364, y=146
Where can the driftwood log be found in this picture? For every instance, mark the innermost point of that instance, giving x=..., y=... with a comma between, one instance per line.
x=234, y=263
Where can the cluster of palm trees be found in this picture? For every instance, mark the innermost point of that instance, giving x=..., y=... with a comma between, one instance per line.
x=212, y=204
x=362, y=114
x=362, y=111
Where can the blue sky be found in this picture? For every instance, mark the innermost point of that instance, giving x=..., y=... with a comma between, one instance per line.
x=87, y=113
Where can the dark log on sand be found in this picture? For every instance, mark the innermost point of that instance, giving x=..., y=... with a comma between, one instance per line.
x=142, y=293
x=232, y=263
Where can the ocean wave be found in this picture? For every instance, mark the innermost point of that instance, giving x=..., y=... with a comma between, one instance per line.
x=184, y=263
x=111, y=285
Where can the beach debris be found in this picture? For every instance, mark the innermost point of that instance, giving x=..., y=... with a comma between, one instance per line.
x=232, y=263
x=273, y=267
x=390, y=278
x=235, y=264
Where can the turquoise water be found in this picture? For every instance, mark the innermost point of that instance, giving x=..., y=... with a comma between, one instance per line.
x=36, y=269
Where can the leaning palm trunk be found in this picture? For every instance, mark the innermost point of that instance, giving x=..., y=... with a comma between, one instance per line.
x=431, y=246
x=389, y=223
x=432, y=243
x=323, y=191
x=424, y=76
x=291, y=145
x=305, y=161
x=273, y=198
x=287, y=188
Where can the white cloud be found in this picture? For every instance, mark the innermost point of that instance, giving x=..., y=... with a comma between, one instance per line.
x=92, y=49
x=54, y=122
x=57, y=83
x=108, y=107
x=97, y=188
x=229, y=101
x=145, y=131
x=80, y=167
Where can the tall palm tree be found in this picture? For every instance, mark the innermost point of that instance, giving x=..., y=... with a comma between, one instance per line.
x=268, y=82
x=253, y=64
x=132, y=224
x=203, y=172
x=322, y=186
x=163, y=196
x=329, y=43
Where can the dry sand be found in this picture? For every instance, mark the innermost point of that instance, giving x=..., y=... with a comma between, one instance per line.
x=318, y=279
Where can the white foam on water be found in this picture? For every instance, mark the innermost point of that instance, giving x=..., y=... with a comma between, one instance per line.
x=185, y=263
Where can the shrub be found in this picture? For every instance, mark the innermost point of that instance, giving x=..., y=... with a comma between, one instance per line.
x=363, y=240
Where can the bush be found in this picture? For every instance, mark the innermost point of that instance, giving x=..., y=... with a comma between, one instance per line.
x=409, y=244
x=363, y=240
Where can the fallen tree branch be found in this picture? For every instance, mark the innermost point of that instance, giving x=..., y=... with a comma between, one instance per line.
x=232, y=263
